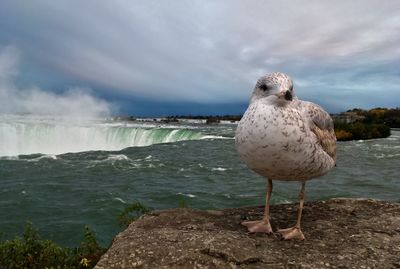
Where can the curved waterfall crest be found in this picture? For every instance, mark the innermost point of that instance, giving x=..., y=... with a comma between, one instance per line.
x=18, y=138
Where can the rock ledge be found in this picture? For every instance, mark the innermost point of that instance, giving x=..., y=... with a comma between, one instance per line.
x=340, y=233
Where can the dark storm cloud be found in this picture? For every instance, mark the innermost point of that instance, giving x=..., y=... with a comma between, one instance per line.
x=340, y=53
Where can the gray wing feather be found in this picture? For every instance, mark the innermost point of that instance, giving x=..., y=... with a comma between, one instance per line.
x=322, y=126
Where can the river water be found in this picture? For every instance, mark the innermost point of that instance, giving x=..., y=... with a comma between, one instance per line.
x=63, y=176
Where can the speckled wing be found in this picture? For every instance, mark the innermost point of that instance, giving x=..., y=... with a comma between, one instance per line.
x=321, y=125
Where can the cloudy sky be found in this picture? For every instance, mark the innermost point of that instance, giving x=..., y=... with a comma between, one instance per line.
x=195, y=57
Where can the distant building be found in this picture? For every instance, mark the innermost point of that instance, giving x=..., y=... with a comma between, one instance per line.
x=347, y=117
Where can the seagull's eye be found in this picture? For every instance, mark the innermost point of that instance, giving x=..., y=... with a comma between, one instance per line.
x=263, y=87
x=291, y=88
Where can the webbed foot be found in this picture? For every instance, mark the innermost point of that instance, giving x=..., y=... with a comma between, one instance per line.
x=258, y=226
x=292, y=233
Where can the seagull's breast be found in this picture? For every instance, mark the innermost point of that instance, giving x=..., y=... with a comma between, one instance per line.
x=276, y=141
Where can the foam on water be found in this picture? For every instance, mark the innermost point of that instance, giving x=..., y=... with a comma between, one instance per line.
x=117, y=157
x=9, y=158
x=386, y=156
x=216, y=137
x=30, y=158
x=187, y=195
x=47, y=156
x=219, y=169
x=120, y=200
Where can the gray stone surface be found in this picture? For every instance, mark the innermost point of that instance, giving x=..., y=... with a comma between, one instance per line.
x=340, y=233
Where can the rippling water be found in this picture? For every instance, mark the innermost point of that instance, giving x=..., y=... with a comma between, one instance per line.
x=60, y=193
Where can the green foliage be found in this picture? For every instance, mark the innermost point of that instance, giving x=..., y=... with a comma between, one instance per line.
x=360, y=131
x=388, y=116
x=32, y=252
x=131, y=213
x=90, y=251
x=343, y=135
x=183, y=203
x=374, y=123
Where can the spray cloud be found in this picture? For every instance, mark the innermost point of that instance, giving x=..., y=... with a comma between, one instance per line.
x=75, y=103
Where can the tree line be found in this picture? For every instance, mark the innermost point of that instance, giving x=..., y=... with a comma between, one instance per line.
x=369, y=124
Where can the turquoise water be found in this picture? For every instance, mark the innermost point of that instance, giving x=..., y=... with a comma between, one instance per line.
x=60, y=193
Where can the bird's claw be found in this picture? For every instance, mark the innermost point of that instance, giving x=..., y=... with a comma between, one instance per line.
x=258, y=226
x=292, y=233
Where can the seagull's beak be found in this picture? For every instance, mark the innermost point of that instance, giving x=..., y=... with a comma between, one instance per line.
x=286, y=94
x=280, y=94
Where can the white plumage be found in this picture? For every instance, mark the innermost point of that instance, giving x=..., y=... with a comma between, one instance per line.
x=283, y=138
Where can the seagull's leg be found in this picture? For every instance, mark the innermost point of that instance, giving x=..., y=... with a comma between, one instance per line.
x=262, y=226
x=295, y=232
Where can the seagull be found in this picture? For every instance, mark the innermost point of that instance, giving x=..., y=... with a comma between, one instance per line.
x=283, y=138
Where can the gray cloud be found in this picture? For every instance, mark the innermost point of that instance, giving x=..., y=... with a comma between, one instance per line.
x=340, y=53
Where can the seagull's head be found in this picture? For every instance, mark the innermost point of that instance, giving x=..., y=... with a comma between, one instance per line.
x=277, y=87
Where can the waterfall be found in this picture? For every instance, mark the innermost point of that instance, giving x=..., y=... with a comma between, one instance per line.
x=18, y=138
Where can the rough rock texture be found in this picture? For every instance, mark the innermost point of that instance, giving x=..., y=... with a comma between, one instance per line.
x=340, y=233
